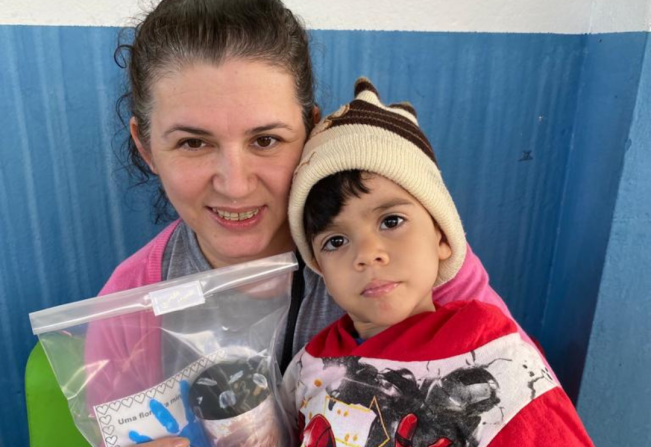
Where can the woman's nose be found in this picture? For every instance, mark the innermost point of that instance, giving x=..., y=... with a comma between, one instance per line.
x=370, y=252
x=234, y=177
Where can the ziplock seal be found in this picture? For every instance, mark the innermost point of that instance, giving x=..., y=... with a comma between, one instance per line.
x=138, y=300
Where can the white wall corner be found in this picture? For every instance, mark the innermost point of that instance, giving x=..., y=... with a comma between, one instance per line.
x=493, y=16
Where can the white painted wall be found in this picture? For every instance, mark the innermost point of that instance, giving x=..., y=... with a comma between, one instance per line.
x=519, y=16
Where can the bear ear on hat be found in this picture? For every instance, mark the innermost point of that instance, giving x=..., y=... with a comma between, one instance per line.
x=406, y=106
x=364, y=84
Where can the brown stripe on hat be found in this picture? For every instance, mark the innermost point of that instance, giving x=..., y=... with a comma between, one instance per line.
x=363, y=112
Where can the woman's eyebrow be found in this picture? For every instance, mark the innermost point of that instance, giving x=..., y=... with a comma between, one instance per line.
x=267, y=127
x=188, y=129
x=206, y=133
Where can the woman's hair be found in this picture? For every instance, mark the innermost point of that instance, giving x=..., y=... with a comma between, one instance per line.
x=179, y=33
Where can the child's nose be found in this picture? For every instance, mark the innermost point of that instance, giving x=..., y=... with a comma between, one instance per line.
x=370, y=252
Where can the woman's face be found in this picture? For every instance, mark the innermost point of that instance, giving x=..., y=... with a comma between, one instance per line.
x=225, y=141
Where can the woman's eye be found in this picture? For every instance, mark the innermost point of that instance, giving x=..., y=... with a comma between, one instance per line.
x=265, y=142
x=334, y=243
x=192, y=143
x=391, y=222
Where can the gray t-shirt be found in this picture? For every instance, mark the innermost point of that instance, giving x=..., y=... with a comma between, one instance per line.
x=183, y=257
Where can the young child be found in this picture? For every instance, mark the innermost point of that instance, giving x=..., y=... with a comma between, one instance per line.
x=370, y=212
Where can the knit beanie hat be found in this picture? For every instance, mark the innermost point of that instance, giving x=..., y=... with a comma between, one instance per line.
x=386, y=140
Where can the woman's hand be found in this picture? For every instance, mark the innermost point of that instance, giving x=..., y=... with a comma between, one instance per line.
x=168, y=442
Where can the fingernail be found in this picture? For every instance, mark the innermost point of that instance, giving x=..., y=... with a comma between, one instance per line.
x=182, y=443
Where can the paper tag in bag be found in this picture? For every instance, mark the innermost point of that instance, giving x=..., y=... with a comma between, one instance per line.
x=155, y=412
x=177, y=298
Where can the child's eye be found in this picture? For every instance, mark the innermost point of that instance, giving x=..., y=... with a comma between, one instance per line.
x=334, y=243
x=192, y=144
x=265, y=142
x=391, y=222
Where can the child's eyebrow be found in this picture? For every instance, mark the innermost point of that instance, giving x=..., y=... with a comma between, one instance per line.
x=330, y=227
x=392, y=203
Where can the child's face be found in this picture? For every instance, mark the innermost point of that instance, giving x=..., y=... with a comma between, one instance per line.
x=380, y=257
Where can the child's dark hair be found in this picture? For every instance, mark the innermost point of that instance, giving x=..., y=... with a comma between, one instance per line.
x=327, y=197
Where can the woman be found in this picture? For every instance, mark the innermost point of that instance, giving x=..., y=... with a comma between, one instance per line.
x=221, y=103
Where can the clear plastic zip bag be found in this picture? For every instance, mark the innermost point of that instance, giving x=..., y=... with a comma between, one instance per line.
x=191, y=357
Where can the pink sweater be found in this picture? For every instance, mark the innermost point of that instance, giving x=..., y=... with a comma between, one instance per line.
x=123, y=353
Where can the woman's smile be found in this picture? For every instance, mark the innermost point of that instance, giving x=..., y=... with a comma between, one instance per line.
x=238, y=219
x=235, y=215
x=225, y=141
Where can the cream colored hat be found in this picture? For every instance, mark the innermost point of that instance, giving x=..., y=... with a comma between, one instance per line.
x=386, y=140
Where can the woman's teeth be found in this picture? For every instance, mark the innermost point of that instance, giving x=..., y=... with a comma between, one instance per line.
x=236, y=216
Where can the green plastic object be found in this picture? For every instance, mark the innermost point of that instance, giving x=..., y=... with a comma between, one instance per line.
x=48, y=416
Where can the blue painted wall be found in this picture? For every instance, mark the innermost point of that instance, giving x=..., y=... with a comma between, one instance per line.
x=67, y=218
x=499, y=110
x=607, y=94
x=514, y=118
x=616, y=390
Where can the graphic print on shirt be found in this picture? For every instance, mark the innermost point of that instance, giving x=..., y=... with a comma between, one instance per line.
x=460, y=401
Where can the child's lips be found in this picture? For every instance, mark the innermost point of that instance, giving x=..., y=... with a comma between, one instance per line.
x=378, y=288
